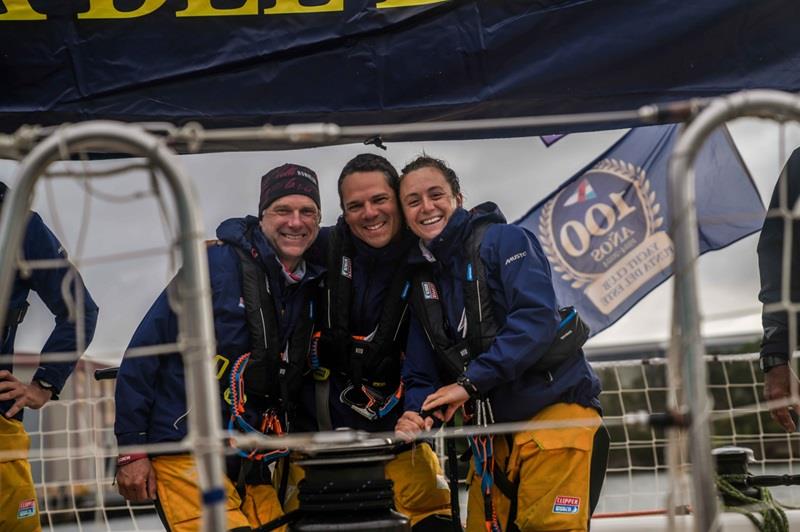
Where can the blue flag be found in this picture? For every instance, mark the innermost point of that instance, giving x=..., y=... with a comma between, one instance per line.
x=605, y=231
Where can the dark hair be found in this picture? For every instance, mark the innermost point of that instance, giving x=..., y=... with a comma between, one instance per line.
x=368, y=162
x=425, y=161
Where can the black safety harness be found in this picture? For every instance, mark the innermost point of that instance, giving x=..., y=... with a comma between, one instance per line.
x=270, y=376
x=454, y=356
x=371, y=364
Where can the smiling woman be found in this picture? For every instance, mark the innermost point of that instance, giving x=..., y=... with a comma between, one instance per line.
x=429, y=198
x=483, y=354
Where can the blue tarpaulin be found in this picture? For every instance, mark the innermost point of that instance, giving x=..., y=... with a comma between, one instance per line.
x=606, y=230
x=356, y=62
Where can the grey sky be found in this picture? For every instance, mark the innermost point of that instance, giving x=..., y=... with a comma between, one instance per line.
x=514, y=173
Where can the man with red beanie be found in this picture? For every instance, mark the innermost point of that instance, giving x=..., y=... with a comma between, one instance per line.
x=262, y=292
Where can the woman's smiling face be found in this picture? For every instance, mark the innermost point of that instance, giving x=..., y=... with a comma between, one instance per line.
x=428, y=202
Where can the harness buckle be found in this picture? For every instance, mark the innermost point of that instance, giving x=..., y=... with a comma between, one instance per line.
x=362, y=405
x=321, y=374
x=369, y=402
x=359, y=348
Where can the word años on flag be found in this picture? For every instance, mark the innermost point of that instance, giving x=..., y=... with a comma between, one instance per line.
x=108, y=9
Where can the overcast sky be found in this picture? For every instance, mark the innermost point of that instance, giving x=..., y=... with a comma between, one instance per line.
x=514, y=173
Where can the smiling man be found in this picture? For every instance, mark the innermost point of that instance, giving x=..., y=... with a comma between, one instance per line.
x=363, y=336
x=262, y=297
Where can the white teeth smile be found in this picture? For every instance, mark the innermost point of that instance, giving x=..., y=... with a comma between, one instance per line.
x=374, y=227
x=293, y=237
x=431, y=221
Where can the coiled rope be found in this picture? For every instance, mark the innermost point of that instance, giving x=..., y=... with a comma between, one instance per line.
x=772, y=517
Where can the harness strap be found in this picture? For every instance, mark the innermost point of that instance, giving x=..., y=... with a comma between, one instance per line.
x=322, y=390
x=454, y=356
x=376, y=360
x=483, y=458
x=271, y=374
x=481, y=324
x=284, y=482
x=263, y=368
x=452, y=478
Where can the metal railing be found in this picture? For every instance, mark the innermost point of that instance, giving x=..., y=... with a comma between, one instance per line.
x=687, y=352
x=197, y=333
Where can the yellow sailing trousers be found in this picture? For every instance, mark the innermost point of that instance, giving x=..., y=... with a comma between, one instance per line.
x=552, y=467
x=179, y=498
x=18, y=509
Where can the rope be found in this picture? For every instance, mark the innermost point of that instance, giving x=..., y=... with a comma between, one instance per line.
x=270, y=422
x=773, y=518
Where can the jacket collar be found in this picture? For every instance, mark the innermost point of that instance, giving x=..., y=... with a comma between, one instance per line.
x=394, y=252
x=246, y=234
x=449, y=244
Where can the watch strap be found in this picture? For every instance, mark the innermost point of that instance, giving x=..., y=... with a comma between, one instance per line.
x=43, y=384
x=469, y=386
x=768, y=362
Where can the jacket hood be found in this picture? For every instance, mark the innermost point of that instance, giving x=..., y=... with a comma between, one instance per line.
x=245, y=233
x=235, y=231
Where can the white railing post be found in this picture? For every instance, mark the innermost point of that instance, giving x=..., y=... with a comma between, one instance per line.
x=196, y=324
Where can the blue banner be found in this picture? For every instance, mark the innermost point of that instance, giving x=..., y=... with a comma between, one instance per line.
x=606, y=230
x=230, y=63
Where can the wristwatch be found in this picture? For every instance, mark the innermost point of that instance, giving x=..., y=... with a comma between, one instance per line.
x=468, y=385
x=767, y=362
x=47, y=386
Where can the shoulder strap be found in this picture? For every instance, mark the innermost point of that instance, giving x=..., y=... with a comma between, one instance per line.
x=296, y=363
x=367, y=357
x=261, y=374
x=339, y=289
x=425, y=299
x=455, y=355
x=268, y=374
x=481, y=325
x=381, y=360
x=394, y=308
x=336, y=340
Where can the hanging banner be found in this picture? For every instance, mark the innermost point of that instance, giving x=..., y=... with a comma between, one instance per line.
x=606, y=230
x=227, y=63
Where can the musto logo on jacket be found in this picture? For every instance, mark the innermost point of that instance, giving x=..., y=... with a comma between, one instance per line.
x=604, y=235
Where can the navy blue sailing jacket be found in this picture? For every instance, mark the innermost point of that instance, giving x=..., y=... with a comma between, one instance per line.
x=525, y=307
x=41, y=244
x=150, y=394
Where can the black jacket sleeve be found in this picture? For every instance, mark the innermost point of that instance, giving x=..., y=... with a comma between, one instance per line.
x=771, y=249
